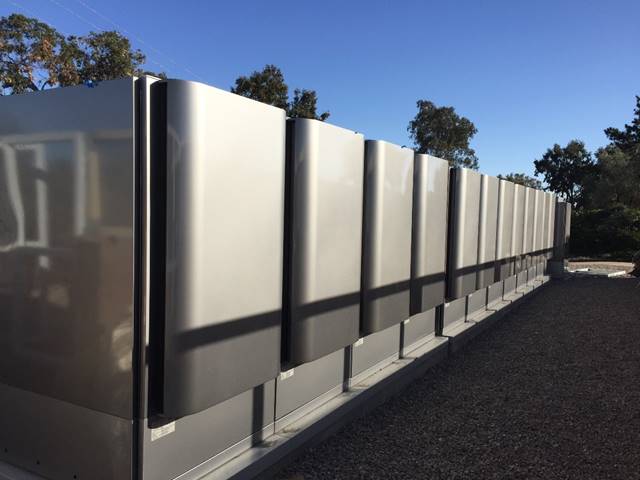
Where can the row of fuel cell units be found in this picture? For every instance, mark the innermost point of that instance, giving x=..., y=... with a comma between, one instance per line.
x=184, y=271
x=501, y=236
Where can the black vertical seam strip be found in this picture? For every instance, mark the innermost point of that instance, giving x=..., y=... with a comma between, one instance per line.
x=285, y=350
x=453, y=173
x=157, y=253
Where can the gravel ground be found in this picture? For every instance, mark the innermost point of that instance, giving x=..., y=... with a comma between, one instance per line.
x=551, y=392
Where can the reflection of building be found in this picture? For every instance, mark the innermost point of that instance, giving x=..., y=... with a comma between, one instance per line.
x=63, y=190
x=66, y=264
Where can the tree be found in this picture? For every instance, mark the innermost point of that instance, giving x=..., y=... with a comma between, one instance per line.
x=522, y=179
x=35, y=56
x=441, y=132
x=268, y=86
x=304, y=105
x=566, y=170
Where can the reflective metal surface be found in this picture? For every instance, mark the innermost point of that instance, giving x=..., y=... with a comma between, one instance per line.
x=487, y=234
x=66, y=244
x=322, y=297
x=464, y=232
x=387, y=235
x=429, y=241
x=505, y=233
x=60, y=441
x=519, y=218
x=225, y=163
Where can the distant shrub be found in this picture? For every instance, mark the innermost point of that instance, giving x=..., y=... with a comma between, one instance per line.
x=612, y=232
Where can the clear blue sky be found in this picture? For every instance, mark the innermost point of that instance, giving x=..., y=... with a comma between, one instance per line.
x=528, y=74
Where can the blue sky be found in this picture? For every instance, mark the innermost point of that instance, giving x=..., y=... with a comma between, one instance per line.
x=528, y=74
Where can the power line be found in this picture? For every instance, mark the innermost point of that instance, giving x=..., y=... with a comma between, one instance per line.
x=138, y=39
x=91, y=24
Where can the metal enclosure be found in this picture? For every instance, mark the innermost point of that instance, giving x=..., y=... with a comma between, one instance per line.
x=504, y=239
x=463, y=232
x=488, y=227
x=519, y=219
x=562, y=229
x=386, y=258
x=429, y=232
x=325, y=171
x=224, y=161
x=67, y=303
x=529, y=226
x=539, y=221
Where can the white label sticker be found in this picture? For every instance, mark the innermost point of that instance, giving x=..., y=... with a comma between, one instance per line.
x=359, y=342
x=163, y=431
x=287, y=374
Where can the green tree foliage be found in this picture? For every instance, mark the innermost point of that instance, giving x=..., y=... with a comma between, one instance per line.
x=522, y=179
x=606, y=193
x=441, y=132
x=612, y=231
x=269, y=86
x=35, y=56
x=566, y=170
x=304, y=105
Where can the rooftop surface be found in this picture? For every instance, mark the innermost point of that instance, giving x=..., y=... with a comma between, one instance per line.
x=552, y=391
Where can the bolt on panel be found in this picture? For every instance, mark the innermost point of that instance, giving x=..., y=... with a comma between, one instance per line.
x=386, y=267
x=487, y=235
x=325, y=171
x=429, y=232
x=464, y=232
x=225, y=170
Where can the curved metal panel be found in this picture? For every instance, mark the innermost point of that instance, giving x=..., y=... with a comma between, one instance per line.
x=488, y=227
x=429, y=232
x=225, y=163
x=464, y=232
x=325, y=171
x=504, y=238
x=386, y=267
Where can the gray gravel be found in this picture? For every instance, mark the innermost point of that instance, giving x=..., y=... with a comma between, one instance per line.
x=551, y=392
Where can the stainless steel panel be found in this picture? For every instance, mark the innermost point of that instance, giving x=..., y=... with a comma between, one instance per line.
x=429, y=232
x=311, y=380
x=506, y=207
x=519, y=218
x=504, y=237
x=487, y=235
x=551, y=199
x=476, y=302
x=495, y=293
x=454, y=313
x=539, y=221
x=510, y=285
x=322, y=294
x=464, y=232
x=419, y=326
x=529, y=225
x=225, y=164
x=67, y=245
x=387, y=235
x=374, y=349
x=60, y=440
x=200, y=437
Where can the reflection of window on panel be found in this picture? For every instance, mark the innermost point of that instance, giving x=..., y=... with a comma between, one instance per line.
x=110, y=162
x=8, y=220
x=60, y=156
